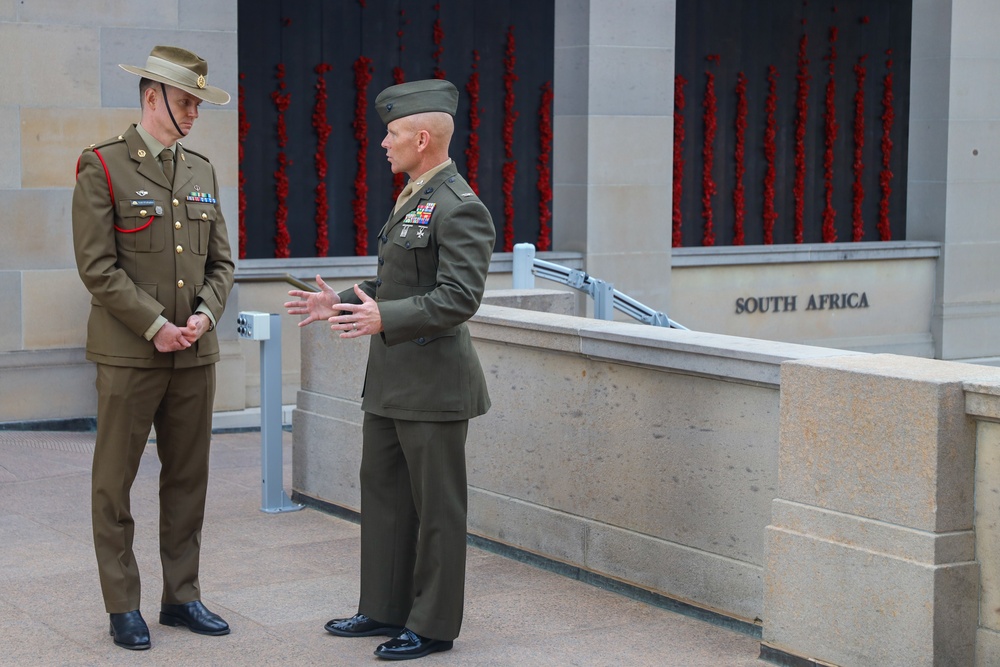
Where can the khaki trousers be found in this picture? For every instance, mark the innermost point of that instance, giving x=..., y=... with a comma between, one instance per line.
x=179, y=404
x=414, y=499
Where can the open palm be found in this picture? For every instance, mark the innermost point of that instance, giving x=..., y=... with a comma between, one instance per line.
x=315, y=305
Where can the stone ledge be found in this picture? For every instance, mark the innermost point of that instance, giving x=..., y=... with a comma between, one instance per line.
x=878, y=537
x=705, y=354
x=804, y=252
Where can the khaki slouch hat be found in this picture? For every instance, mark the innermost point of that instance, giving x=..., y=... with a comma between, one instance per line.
x=182, y=69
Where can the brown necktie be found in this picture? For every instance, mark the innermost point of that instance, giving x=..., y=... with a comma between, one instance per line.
x=404, y=195
x=167, y=157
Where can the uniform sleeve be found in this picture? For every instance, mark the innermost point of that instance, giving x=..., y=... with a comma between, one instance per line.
x=348, y=295
x=219, y=266
x=96, y=252
x=465, y=238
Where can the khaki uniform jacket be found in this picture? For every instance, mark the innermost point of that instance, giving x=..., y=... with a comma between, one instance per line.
x=145, y=249
x=432, y=270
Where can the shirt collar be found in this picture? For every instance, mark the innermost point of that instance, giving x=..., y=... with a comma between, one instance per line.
x=154, y=146
x=427, y=175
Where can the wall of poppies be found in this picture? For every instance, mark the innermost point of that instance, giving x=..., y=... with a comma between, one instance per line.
x=313, y=178
x=791, y=119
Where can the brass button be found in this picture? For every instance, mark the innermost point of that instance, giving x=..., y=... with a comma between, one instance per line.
x=204, y=216
x=177, y=225
x=176, y=203
x=180, y=249
x=142, y=212
x=180, y=283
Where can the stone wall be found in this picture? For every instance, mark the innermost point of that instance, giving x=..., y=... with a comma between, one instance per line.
x=644, y=454
x=62, y=91
x=845, y=503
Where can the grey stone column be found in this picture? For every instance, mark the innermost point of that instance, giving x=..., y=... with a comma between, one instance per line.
x=953, y=189
x=613, y=126
x=871, y=549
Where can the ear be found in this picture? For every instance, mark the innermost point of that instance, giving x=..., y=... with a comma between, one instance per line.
x=423, y=139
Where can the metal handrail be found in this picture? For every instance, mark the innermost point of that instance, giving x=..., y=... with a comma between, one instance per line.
x=606, y=297
x=287, y=278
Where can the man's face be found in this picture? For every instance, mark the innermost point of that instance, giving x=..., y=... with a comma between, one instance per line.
x=184, y=107
x=400, y=146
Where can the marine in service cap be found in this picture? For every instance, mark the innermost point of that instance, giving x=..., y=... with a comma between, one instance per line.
x=412, y=97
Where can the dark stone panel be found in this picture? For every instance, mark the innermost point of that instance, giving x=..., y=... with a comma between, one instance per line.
x=301, y=34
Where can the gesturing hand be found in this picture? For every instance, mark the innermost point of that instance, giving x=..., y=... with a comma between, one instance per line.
x=357, y=319
x=316, y=305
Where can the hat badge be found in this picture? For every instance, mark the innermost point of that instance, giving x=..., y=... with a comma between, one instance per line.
x=388, y=107
x=201, y=80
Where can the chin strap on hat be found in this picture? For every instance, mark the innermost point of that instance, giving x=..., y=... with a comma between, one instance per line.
x=163, y=87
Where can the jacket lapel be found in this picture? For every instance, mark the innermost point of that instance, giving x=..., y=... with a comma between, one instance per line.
x=182, y=171
x=146, y=163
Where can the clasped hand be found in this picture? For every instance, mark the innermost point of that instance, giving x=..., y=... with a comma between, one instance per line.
x=172, y=338
x=350, y=319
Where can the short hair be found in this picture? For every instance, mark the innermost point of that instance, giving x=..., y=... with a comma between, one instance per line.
x=144, y=84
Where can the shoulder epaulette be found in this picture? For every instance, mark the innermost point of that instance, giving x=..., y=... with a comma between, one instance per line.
x=107, y=142
x=461, y=188
x=188, y=150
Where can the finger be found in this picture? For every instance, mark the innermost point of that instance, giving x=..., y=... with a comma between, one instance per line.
x=348, y=307
x=361, y=295
x=322, y=285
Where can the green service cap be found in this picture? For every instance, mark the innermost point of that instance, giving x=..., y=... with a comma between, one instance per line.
x=413, y=97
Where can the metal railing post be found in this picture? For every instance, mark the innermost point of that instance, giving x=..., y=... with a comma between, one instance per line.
x=524, y=257
x=266, y=327
x=604, y=299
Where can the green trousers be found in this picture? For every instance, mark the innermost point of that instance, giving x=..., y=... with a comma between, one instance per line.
x=179, y=404
x=414, y=499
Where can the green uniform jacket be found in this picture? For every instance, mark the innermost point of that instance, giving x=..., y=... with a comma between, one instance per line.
x=434, y=254
x=144, y=249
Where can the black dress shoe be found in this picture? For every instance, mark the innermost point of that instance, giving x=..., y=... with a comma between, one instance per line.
x=194, y=617
x=129, y=631
x=360, y=625
x=410, y=645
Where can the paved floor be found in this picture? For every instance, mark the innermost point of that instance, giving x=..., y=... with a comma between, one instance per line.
x=278, y=577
